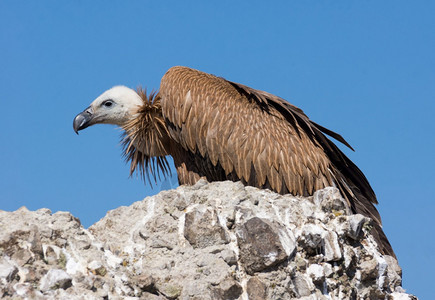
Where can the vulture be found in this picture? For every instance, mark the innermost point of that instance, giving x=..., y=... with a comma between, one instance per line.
x=221, y=130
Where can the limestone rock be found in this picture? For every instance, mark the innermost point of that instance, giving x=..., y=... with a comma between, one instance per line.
x=255, y=289
x=202, y=228
x=55, y=279
x=7, y=270
x=218, y=240
x=332, y=249
x=260, y=245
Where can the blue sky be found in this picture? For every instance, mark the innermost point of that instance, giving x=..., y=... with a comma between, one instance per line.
x=365, y=69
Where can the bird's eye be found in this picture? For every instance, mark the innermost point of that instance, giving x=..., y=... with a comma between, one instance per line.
x=107, y=103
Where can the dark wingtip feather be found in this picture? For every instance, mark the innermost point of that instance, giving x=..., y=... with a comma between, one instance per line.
x=333, y=134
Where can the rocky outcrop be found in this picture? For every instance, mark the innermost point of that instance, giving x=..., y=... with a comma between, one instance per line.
x=208, y=241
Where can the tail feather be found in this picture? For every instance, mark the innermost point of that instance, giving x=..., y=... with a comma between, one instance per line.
x=354, y=186
x=361, y=205
x=382, y=240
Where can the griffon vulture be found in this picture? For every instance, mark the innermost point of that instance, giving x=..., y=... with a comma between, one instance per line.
x=221, y=130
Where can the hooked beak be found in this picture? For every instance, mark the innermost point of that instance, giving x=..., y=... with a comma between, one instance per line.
x=83, y=120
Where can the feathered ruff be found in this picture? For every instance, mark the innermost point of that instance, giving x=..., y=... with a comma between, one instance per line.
x=144, y=139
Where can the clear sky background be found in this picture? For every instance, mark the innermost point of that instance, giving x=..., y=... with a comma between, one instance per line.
x=365, y=69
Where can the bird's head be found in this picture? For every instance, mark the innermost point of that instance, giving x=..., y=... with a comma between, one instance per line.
x=116, y=106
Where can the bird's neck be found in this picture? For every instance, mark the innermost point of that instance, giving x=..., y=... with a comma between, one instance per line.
x=146, y=131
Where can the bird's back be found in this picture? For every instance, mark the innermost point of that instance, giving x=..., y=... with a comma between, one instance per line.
x=227, y=131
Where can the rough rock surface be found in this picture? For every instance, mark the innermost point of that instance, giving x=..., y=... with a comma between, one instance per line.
x=208, y=241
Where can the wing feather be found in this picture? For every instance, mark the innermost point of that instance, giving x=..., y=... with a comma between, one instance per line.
x=256, y=136
x=190, y=127
x=261, y=169
x=201, y=137
x=185, y=105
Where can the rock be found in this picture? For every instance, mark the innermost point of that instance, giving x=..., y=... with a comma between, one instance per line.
x=7, y=271
x=327, y=269
x=401, y=296
x=302, y=285
x=356, y=223
x=51, y=254
x=55, y=279
x=202, y=228
x=331, y=247
x=228, y=289
x=369, y=269
x=311, y=238
x=23, y=289
x=260, y=245
x=229, y=257
x=316, y=272
x=317, y=240
x=330, y=200
x=97, y=268
x=255, y=289
x=170, y=290
x=218, y=240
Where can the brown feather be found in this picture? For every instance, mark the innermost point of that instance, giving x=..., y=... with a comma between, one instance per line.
x=144, y=138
